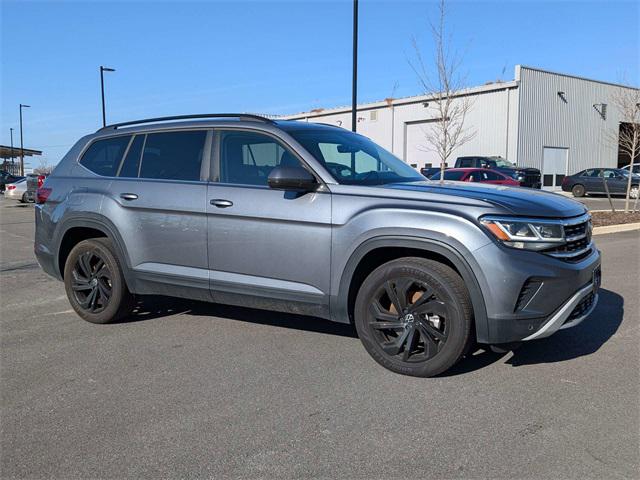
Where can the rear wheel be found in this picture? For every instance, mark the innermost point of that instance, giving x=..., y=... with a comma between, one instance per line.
x=94, y=282
x=24, y=198
x=414, y=316
x=578, y=190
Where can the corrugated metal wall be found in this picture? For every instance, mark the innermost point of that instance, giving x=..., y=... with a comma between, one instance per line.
x=400, y=126
x=570, y=120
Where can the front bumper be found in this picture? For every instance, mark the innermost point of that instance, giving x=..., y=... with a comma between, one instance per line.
x=573, y=312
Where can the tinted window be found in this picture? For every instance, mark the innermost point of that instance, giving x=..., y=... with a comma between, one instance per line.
x=448, y=175
x=173, y=155
x=247, y=158
x=492, y=176
x=609, y=174
x=131, y=163
x=103, y=156
x=465, y=162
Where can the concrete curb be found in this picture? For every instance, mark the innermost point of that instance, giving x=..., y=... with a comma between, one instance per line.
x=625, y=227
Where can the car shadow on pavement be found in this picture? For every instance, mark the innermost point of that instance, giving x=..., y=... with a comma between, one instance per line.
x=150, y=307
x=584, y=339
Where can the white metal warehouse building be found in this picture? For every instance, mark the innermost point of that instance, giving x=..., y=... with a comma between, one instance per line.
x=551, y=121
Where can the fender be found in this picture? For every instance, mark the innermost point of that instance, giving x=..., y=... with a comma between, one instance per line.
x=339, y=303
x=102, y=223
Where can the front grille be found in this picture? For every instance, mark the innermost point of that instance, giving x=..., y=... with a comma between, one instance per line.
x=531, y=179
x=583, y=307
x=578, y=242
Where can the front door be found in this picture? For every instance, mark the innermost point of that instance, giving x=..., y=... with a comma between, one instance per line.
x=554, y=167
x=267, y=248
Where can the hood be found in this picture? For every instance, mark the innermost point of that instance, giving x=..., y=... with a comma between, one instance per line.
x=514, y=200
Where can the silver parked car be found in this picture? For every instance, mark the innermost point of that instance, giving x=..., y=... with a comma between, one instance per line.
x=316, y=220
x=17, y=191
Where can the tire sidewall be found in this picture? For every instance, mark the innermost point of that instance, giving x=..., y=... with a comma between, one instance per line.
x=459, y=324
x=578, y=191
x=118, y=287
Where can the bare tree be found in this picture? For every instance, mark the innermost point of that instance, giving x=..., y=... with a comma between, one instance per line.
x=444, y=84
x=44, y=168
x=627, y=134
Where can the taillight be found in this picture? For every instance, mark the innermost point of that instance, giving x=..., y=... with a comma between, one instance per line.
x=565, y=180
x=42, y=194
x=11, y=187
x=40, y=180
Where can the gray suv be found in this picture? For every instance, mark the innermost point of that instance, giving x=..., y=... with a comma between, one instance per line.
x=315, y=220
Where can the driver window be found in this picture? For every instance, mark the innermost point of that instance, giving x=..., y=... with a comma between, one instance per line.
x=247, y=158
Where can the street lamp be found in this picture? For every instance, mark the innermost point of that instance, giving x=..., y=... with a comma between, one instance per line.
x=21, y=141
x=354, y=80
x=11, y=131
x=102, y=70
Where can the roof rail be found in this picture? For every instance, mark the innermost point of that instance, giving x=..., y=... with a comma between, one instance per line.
x=239, y=116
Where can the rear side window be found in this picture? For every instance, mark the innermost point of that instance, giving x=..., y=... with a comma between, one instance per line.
x=173, y=155
x=103, y=156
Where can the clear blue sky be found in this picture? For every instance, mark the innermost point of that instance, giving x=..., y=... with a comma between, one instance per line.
x=177, y=57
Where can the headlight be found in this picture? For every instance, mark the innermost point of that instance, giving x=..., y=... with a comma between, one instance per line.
x=525, y=233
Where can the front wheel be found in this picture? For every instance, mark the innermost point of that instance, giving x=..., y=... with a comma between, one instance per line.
x=94, y=282
x=414, y=316
x=633, y=193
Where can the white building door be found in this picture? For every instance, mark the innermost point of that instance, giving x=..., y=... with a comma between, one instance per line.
x=417, y=150
x=555, y=162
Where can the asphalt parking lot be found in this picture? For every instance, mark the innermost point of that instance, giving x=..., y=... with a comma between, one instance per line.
x=191, y=390
x=601, y=202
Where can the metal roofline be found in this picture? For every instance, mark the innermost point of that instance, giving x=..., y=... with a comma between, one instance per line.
x=535, y=69
x=402, y=101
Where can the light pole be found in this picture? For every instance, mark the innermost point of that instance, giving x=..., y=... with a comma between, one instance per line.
x=102, y=70
x=354, y=82
x=11, y=131
x=21, y=141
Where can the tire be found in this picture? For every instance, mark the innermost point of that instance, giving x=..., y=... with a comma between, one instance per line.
x=633, y=193
x=578, y=190
x=92, y=266
x=24, y=198
x=436, y=307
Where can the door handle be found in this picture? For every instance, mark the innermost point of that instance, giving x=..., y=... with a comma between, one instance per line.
x=220, y=203
x=128, y=196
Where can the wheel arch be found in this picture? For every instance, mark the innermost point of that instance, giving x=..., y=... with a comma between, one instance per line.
x=75, y=230
x=374, y=252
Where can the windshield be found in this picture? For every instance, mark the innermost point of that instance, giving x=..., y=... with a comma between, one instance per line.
x=353, y=159
x=501, y=162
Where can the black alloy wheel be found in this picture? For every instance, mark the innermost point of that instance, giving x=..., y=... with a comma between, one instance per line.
x=409, y=320
x=414, y=316
x=91, y=283
x=95, y=283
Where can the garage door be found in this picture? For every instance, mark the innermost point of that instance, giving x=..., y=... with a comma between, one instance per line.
x=554, y=167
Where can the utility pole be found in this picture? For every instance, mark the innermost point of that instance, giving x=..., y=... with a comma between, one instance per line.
x=11, y=131
x=102, y=70
x=21, y=141
x=354, y=83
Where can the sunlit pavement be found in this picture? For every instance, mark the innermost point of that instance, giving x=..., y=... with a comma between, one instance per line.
x=187, y=389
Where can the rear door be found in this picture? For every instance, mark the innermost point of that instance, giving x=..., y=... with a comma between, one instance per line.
x=267, y=248
x=158, y=204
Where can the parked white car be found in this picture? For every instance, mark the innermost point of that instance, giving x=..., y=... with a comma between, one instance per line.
x=17, y=191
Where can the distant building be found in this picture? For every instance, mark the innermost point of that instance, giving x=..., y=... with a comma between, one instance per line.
x=551, y=121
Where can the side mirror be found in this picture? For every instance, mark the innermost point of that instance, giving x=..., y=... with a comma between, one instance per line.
x=292, y=178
